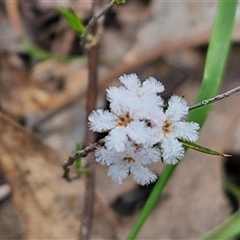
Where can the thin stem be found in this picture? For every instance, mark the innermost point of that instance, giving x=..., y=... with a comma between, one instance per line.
x=92, y=90
x=82, y=153
x=93, y=21
x=90, y=137
x=216, y=98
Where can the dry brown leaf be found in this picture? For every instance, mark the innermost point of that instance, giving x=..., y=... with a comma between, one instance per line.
x=49, y=207
x=45, y=202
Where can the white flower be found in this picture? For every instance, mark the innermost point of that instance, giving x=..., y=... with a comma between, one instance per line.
x=119, y=126
x=116, y=139
x=186, y=131
x=118, y=98
x=141, y=129
x=175, y=125
x=140, y=99
x=131, y=82
x=131, y=161
x=101, y=120
x=172, y=150
x=175, y=128
x=152, y=86
x=166, y=127
x=131, y=107
x=149, y=86
x=145, y=134
x=177, y=108
x=142, y=175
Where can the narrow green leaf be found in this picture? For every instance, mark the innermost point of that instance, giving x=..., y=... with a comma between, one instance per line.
x=213, y=72
x=43, y=55
x=227, y=230
x=202, y=149
x=78, y=161
x=232, y=188
x=37, y=52
x=120, y=1
x=217, y=56
x=152, y=200
x=79, y=164
x=73, y=20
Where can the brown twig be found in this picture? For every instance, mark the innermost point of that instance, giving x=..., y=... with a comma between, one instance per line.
x=93, y=22
x=216, y=98
x=82, y=153
x=92, y=90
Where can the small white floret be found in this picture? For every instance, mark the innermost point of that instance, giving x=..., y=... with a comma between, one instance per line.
x=177, y=108
x=130, y=81
x=143, y=175
x=101, y=120
x=152, y=86
x=132, y=161
x=172, y=151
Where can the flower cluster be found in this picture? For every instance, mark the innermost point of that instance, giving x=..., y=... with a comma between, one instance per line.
x=141, y=129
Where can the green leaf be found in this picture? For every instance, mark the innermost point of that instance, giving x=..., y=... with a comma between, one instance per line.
x=217, y=56
x=78, y=161
x=213, y=72
x=79, y=164
x=202, y=149
x=37, y=52
x=152, y=200
x=120, y=1
x=232, y=188
x=43, y=55
x=229, y=229
x=73, y=20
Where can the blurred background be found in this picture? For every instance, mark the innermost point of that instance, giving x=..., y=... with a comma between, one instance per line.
x=43, y=81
